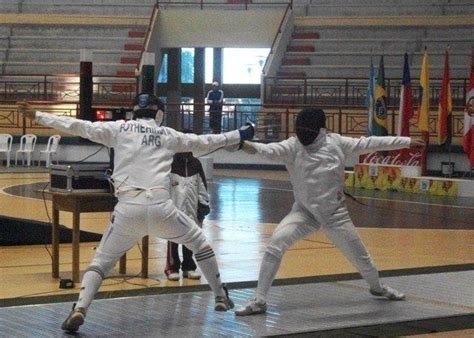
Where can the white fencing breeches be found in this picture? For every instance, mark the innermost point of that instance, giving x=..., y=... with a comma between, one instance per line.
x=298, y=224
x=130, y=222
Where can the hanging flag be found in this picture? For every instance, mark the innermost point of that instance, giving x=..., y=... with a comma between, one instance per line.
x=370, y=100
x=468, y=143
x=445, y=106
x=380, y=117
x=424, y=99
x=406, y=102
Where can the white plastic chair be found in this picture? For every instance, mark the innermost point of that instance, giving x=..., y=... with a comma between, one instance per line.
x=27, y=147
x=50, y=150
x=6, y=141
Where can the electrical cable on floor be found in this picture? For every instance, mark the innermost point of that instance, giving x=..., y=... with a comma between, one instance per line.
x=126, y=279
x=47, y=214
x=38, y=294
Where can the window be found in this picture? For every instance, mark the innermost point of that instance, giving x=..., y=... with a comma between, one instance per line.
x=209, y=65
x=163, y=75
x=187, y=65
x=244, y=65
x=240, y=65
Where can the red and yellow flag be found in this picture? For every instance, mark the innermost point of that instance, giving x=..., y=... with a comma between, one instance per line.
x=445, y=106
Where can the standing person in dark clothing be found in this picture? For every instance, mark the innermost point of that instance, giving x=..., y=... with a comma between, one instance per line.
x=215, y=99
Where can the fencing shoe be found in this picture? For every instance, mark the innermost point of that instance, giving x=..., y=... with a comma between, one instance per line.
x=389, y=293
x=74, y=320
x=252, y=308
x=173, y=276
x=191, y=274
x=224, y=303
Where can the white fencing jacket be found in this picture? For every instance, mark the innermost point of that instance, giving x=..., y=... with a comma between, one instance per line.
x=188, y=186
x=317, y=170
x=143, y=149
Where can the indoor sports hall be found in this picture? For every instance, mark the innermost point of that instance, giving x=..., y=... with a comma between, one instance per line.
x=414, y=209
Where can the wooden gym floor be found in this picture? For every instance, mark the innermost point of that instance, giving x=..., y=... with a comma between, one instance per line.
x=405, y=234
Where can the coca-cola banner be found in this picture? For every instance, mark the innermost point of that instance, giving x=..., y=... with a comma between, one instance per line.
x=402, y=157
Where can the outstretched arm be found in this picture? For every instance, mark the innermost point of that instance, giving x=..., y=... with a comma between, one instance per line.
x=100, y=132
x=273, y=151
x=363, y=145
x=193, y=142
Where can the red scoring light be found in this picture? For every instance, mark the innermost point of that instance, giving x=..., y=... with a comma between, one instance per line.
x=102, y=115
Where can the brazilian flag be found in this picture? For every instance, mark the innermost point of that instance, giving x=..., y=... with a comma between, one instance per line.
x=379, y=125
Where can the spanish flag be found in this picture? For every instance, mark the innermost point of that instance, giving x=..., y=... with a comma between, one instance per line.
x=424, y=99
x=379, y=127
x=445, y=106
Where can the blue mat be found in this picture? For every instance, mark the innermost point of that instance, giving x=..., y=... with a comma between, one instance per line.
x=17, y=231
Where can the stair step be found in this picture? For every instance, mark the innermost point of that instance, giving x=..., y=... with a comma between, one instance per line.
x=136, y=34
x=126, y=73
x=129, y=60
x=296, y=61
x=291, y=74
x=133, y=46
x=300, y=49
x=305, y=35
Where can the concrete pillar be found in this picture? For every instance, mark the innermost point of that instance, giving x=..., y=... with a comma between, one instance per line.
x=85, y=86
x=173, y=94
x=218, y=65
x=147, y=74
x=199, y=90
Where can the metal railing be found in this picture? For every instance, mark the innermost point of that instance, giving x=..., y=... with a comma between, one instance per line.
x=342, y=99
x=273, y=123
x=65, y=87
x=348, y=91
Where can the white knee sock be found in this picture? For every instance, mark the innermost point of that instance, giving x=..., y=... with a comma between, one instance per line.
x=268, y=270
x=91, y=282
x=206, y=260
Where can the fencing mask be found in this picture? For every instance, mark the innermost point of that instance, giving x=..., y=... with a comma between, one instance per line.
x=148, y=106
x=308, y=123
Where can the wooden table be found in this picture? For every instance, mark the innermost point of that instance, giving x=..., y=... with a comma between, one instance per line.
x=77, y=203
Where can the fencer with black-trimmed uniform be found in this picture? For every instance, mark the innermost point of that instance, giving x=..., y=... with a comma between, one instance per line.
x=189, y=194
x=315, y=160
x=143, y=155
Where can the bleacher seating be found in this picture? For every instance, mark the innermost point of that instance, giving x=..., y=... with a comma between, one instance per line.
x=83, y=7
x=337, y=38
x=113, y=31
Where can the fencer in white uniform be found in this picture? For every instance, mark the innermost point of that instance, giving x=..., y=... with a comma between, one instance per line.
x=143, y=155
x=315, y=161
